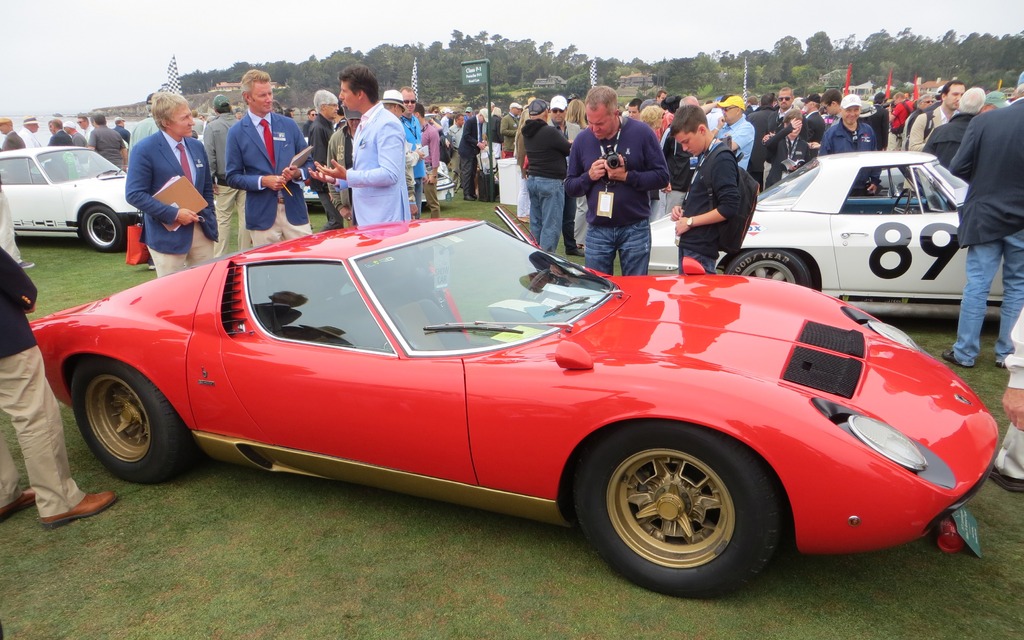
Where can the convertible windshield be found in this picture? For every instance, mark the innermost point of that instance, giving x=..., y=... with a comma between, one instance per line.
x=74, y=164
x=477, y=287
x=786, y=192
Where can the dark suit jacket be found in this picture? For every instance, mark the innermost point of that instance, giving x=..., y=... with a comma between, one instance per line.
x=764, y=120
x=778, y=151
x=248, y=162
x=470, y=137
x=989, y=159
x=153, y=164
x=17, y=296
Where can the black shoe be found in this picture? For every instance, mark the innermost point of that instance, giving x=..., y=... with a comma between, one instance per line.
x=1000, y=364
x=469, y=199
x=1010, y=484
x=575, y=252
x=949, y=356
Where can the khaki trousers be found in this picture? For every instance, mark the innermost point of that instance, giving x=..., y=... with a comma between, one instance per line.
x=26, y=397
x=280, y=230
x=228, y=202
x=430, y=194
x=168, y=263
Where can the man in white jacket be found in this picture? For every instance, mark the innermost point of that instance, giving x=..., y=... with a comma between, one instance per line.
x=1009, y=468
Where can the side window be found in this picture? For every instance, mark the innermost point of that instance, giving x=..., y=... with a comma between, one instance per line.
x=931, y=196
x=15, y=171
x=887, y=197
x=313, y=302
x=35, y=174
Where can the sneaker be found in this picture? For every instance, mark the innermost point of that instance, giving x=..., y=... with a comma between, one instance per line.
x=25, y=264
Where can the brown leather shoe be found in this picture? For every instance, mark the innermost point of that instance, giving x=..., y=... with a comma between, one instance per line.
x=90, y=505
x=24, y=501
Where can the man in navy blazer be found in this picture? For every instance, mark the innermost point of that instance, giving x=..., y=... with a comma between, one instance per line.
x=275, y=208
x=991, y=227
x=174, y=238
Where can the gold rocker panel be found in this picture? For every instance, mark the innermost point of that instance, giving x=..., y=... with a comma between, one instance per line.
x=270, y=458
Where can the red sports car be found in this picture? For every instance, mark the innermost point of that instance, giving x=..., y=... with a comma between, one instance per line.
x=684, y=421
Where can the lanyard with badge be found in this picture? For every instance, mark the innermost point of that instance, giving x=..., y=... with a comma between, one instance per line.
x=606, y=198
x=700, y=165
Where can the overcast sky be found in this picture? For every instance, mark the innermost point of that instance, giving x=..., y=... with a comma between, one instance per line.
x=68, y=56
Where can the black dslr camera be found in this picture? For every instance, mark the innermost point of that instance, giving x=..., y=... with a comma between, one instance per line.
x=613, y=160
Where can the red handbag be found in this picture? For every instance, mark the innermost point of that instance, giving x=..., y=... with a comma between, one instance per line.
x=137, y=253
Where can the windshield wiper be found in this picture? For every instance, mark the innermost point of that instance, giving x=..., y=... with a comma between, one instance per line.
x=568, y=303
x=108, y=172
x=471, y=326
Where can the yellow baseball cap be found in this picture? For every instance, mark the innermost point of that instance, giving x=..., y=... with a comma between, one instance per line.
x=733, y=101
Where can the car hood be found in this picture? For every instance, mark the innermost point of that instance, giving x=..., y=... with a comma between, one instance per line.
x=770, y=335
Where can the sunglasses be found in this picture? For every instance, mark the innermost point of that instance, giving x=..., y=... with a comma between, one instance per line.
x=409, y=101
x=786, y=98
x=558, y=111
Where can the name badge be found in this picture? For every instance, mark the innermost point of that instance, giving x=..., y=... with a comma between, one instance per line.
x=199, y=164
x=605, y=200
x=279, y=136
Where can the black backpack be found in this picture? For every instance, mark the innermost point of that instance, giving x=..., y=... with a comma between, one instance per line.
x=733, y=231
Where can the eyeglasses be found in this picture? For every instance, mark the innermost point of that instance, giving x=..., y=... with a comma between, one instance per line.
x=409, y=101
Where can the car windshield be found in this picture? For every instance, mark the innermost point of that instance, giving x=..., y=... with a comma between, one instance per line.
x=785, y=192
x=476, y=288
x=69, y=164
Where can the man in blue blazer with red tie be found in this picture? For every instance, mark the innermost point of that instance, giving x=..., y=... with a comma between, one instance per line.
x=178, y=237
x=260, y=149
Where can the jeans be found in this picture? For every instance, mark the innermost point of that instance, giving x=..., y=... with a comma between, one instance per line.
x=708, y=262
x=982, y=262
x=547, y=197
x=632, y=242
x=569, y=223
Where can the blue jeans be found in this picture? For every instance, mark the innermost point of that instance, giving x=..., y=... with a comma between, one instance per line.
x=982, y=262
x=632, y=242
x=709, y=263
x=547, y=197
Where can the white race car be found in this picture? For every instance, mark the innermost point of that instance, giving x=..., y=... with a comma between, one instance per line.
x=67, y=190
x=821, y=228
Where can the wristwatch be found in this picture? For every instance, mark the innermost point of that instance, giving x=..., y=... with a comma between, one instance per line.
x=689, y=222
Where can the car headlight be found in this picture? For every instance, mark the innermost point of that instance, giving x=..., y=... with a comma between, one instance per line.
x=894, y=334
x=888, y=442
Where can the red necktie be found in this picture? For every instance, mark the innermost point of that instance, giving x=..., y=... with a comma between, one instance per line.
x=269, y=141
x=184, y=162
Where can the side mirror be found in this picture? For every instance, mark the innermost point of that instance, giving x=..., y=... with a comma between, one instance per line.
x=690, y=267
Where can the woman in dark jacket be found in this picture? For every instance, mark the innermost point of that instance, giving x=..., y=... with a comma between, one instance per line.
x=786, y=149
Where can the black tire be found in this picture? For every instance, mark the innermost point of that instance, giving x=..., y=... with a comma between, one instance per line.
x=773, y=264
x=713, y=509
x=103, y=229
x=129, y=424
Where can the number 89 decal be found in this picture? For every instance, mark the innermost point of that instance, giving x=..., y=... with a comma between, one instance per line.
x=901, y=247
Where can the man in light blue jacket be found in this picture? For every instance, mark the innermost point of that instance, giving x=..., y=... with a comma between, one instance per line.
x=377, y=176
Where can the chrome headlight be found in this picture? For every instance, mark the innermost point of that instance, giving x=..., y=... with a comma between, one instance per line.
x=894, y=334
x=888, y=442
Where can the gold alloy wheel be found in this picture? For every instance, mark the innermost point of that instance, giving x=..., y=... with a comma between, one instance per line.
x=671, y=508
x=118, y=418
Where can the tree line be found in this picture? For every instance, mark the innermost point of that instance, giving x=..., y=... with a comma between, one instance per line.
x=812, y=65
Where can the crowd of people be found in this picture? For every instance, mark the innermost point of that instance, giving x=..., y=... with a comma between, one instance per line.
x=595, y=174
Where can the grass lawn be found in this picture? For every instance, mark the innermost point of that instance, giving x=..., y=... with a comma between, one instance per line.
x=226, y=552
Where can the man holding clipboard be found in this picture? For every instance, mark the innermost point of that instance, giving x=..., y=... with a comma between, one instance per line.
x=266, y=157
x=170, y=183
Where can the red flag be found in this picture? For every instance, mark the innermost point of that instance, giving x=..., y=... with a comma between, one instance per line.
x=917, y=88
x=888, y=85
x=849, y=73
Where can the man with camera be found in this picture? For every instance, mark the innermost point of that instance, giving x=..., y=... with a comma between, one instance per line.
x=615, y=163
